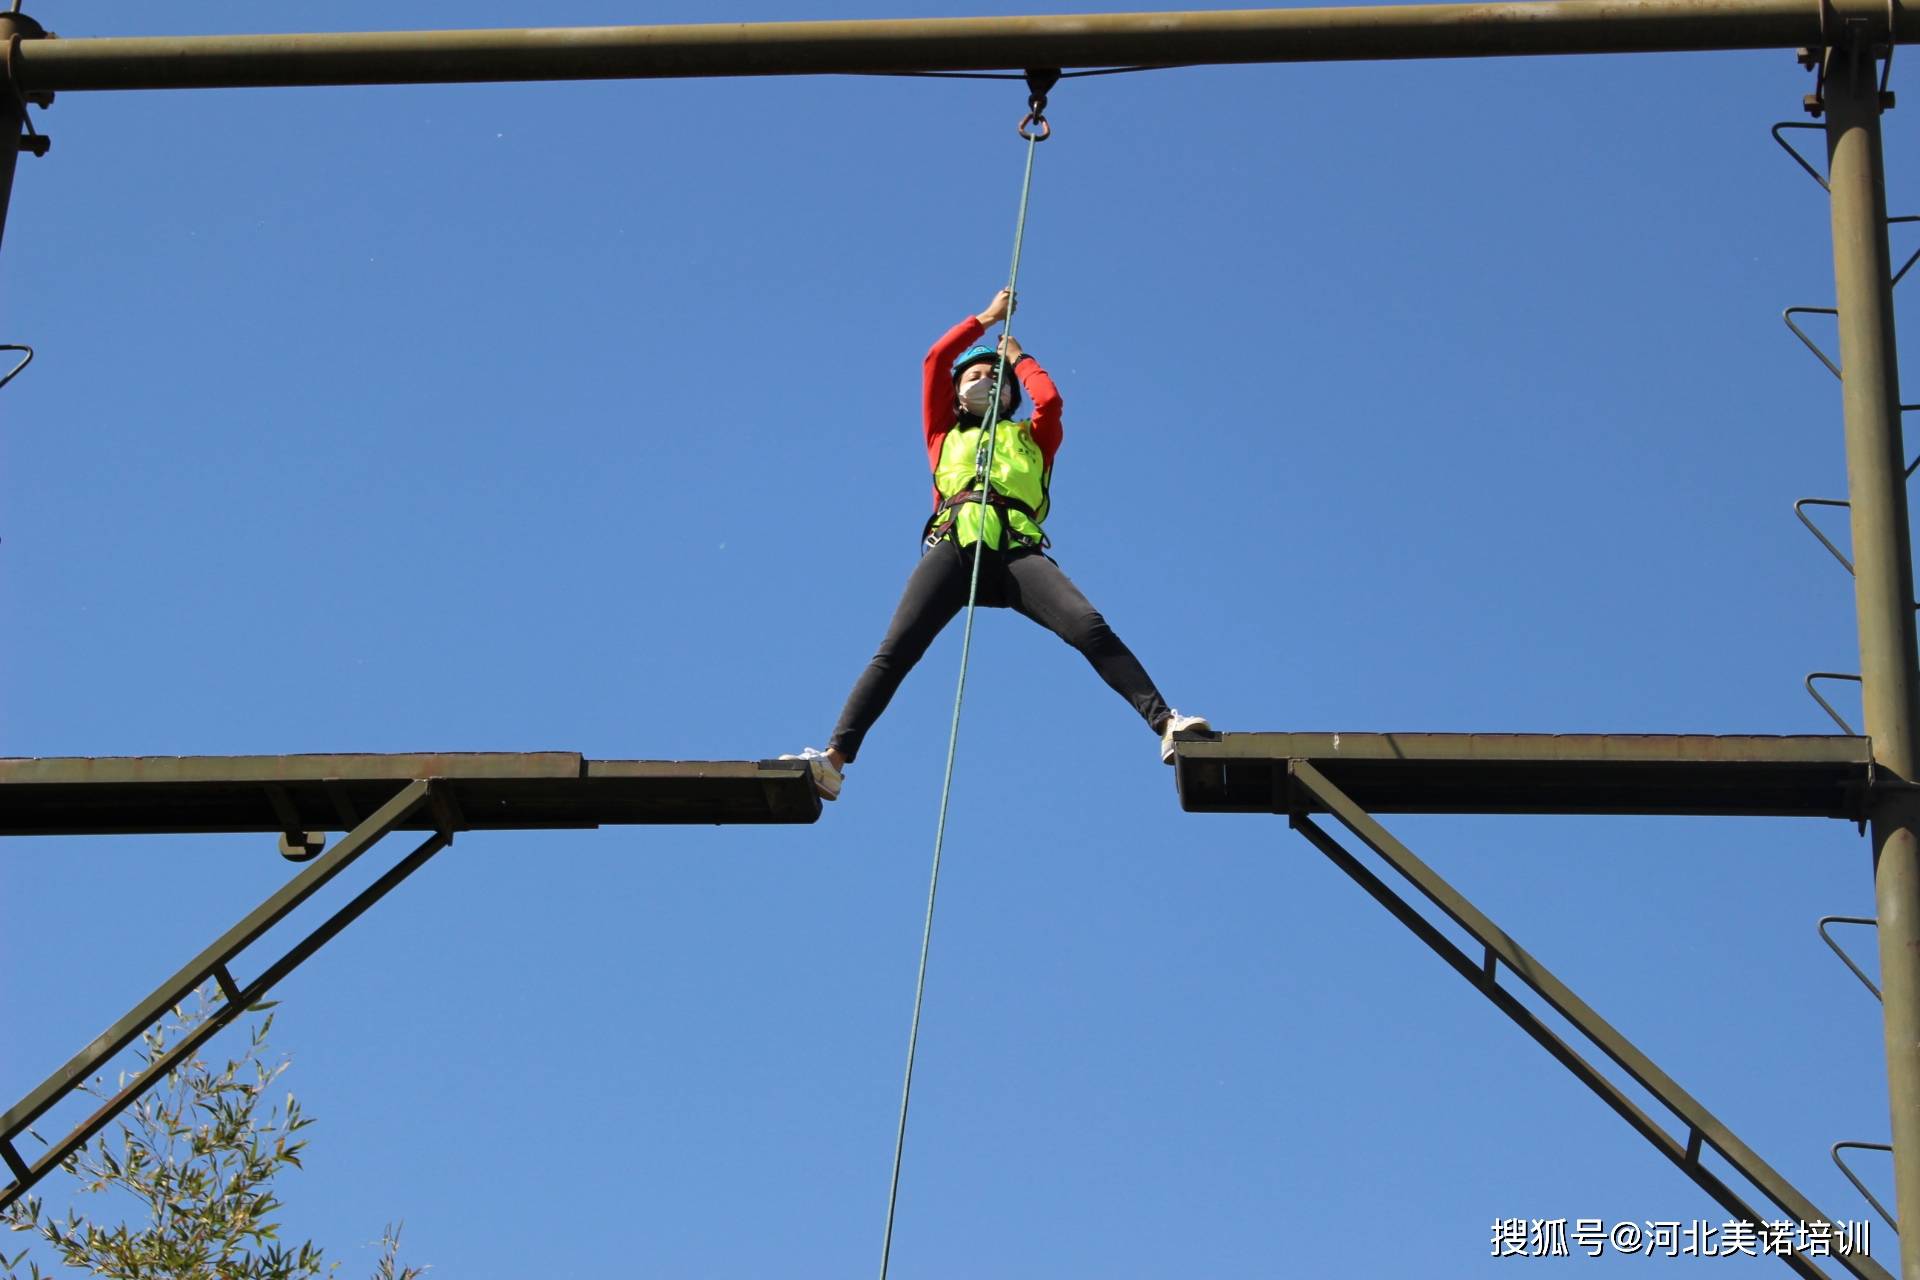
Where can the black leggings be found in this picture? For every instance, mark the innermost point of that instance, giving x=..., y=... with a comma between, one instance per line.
x=1023, y=580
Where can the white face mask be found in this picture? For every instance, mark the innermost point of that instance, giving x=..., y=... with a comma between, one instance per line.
x=977, y=395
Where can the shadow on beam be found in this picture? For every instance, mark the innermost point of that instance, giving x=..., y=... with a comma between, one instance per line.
x=488, y=790
x=1766, y=776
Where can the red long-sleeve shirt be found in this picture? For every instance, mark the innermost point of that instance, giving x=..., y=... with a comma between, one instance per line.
x=937, y=399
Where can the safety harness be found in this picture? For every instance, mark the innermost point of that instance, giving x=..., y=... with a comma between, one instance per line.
x=945, y=516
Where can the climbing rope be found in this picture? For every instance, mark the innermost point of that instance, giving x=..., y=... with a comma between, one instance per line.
x=1035, y=130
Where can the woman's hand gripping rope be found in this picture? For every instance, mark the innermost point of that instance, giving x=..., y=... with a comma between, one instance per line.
x=999, y=309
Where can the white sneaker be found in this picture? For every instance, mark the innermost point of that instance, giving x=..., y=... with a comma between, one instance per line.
x=1177, y=723
x=826, y=778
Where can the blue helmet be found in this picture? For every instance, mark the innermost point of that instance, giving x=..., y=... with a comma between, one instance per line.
x=983, y=354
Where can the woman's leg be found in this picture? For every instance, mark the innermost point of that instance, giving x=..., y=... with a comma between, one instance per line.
x=1042, y=592
x=935, y=592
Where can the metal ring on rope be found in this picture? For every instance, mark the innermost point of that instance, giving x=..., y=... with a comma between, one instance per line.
x=1040, y=82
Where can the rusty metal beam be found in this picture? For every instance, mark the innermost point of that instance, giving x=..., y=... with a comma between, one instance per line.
x=1810, y=776
x=491, y=790
x=413, y=799
x=944, y=44
x=1500, y=953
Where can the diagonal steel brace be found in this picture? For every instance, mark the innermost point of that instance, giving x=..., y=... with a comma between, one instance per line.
x=212, y=963
x=1484, y=975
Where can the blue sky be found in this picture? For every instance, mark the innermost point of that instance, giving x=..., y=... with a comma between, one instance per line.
x=1418, y=396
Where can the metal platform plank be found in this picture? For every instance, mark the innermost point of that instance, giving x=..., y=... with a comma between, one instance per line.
x=120, y=795
x=1712, y=774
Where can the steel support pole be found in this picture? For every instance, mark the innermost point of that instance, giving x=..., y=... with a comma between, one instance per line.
x=1883, y=580
x=13, y=113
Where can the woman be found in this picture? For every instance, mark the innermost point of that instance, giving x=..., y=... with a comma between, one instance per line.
x=1015, y=571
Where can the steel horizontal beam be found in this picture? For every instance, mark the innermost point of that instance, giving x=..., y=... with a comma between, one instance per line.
x=490, y=791
x=1810, y=776
x=945, y=44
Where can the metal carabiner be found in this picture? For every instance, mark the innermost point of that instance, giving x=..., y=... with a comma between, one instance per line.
x=1040, y=82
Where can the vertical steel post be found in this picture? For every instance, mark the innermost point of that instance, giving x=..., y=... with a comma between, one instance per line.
x=1883, y=591
x=12, y=110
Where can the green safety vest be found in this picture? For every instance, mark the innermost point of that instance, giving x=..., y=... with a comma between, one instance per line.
x=1020, y=473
